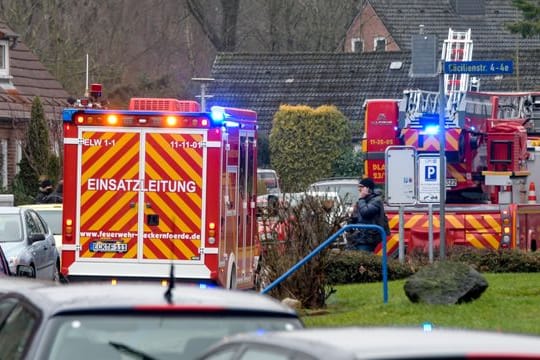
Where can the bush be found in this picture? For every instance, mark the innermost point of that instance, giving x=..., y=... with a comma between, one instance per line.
x=350, y=266
x=346, y=267
x=291, y=232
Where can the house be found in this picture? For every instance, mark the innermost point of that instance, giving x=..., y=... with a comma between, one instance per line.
x=22, y=78
x=386, y=25
x=264, y=81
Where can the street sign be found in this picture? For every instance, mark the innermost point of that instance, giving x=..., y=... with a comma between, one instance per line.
x=400, y=175
x=487, y=67
x=429, y=178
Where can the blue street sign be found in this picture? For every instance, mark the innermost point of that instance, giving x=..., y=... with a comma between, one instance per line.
x=487, y=67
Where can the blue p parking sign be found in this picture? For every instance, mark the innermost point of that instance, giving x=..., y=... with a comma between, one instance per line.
x=430, y=173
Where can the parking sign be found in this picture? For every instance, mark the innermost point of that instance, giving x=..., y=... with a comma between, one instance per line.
x=429, y=177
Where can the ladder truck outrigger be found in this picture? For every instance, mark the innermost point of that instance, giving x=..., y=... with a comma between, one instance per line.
x=492, y=152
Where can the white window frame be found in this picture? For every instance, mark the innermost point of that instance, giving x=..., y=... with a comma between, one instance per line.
x=4, y=59
x=354, y=41
x=376, y=39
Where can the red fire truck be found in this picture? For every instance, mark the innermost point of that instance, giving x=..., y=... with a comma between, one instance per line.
x=492, y=166
x=157, y=185
x=492, y=155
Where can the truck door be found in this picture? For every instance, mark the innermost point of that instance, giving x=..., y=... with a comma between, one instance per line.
x=247, y=178
x=141, y=194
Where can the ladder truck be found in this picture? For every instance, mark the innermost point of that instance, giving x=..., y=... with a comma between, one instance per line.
x=491, y=145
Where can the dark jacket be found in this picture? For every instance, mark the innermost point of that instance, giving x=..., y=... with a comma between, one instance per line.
x=368, y=210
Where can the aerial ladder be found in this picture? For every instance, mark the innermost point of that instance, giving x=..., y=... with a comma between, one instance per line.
x=419, y=104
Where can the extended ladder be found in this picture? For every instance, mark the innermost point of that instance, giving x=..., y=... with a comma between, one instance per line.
x=420, y=103
x=458, y=47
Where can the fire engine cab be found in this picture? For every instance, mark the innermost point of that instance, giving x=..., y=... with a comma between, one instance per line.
x=160, y=184
x=492, y=153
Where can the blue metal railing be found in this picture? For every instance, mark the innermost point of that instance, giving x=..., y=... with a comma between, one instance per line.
x=325, y=244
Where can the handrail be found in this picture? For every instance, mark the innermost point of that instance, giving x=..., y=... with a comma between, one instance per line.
x=325, y=244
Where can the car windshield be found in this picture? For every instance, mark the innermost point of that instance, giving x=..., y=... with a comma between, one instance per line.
x=347, y=192
x=10, y=228
x=153, y=336
x=53, y=219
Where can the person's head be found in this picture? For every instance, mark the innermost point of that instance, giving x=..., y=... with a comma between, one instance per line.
x=45, y=184
x=366, y=186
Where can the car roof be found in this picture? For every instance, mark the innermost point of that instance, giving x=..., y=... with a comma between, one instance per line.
x=396, y=342
x=331, y=181
x=10, y=210
x=83, y=297
x=42, y=206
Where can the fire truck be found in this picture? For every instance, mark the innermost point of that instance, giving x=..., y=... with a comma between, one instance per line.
x=158, y=190
x=492, y=153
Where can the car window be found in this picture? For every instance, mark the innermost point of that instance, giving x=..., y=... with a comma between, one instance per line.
x=31, y=225
x=16, y=331
x=10, y=228
x=53, y=219
x=40, y=223
x=157, y=336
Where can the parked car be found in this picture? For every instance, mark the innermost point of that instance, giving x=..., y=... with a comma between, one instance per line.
x=28, y=243
x=351, y=343
x=129, y=321
x=52, y=214
x=4, y=267
x=347, y=188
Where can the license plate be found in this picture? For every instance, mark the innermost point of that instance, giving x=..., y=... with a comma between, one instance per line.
x=108, y=246
x=451, y=182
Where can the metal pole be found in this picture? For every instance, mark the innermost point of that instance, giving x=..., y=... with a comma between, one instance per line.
x=430, y=227
x=442, y=148
x=401, y=234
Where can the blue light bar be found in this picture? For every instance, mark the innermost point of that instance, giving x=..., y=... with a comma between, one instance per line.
x=431, y=129
x=217, y=114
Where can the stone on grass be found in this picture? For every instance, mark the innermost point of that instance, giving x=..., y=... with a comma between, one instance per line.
x=445, y=282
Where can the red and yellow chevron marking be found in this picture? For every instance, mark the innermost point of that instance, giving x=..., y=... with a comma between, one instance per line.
x=481, y=230
x=431, y=142
x=111, y=156
x=179, y=210
x=484, y=230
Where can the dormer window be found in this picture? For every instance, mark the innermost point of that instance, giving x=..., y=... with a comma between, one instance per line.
x=4, y=59
x=379, y=43
x=357, y=45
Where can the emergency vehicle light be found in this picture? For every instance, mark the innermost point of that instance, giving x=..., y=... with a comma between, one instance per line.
x=217, y=113
x=112, y=119
x=171, y=120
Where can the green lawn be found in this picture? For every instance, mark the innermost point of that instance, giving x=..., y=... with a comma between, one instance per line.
x=511, y=303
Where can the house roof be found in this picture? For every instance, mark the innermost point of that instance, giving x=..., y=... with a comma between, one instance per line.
x=262, y=82
x=29, y=79
x=403, y=18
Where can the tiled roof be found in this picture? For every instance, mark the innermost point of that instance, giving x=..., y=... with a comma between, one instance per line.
x=403, y=18
x=30, y=78
x=264, y=81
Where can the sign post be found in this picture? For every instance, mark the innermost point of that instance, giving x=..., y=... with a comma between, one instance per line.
x=430, y=175
x=400, y=161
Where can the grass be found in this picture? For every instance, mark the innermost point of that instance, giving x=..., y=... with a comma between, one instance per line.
x=511, y=303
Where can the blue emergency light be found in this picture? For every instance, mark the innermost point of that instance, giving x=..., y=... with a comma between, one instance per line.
x=218, y=114
x=430, y=123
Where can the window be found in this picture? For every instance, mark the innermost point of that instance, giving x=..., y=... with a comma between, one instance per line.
x=4, y=59
x=379, y=44
x=16, y=331
x=357, y=45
